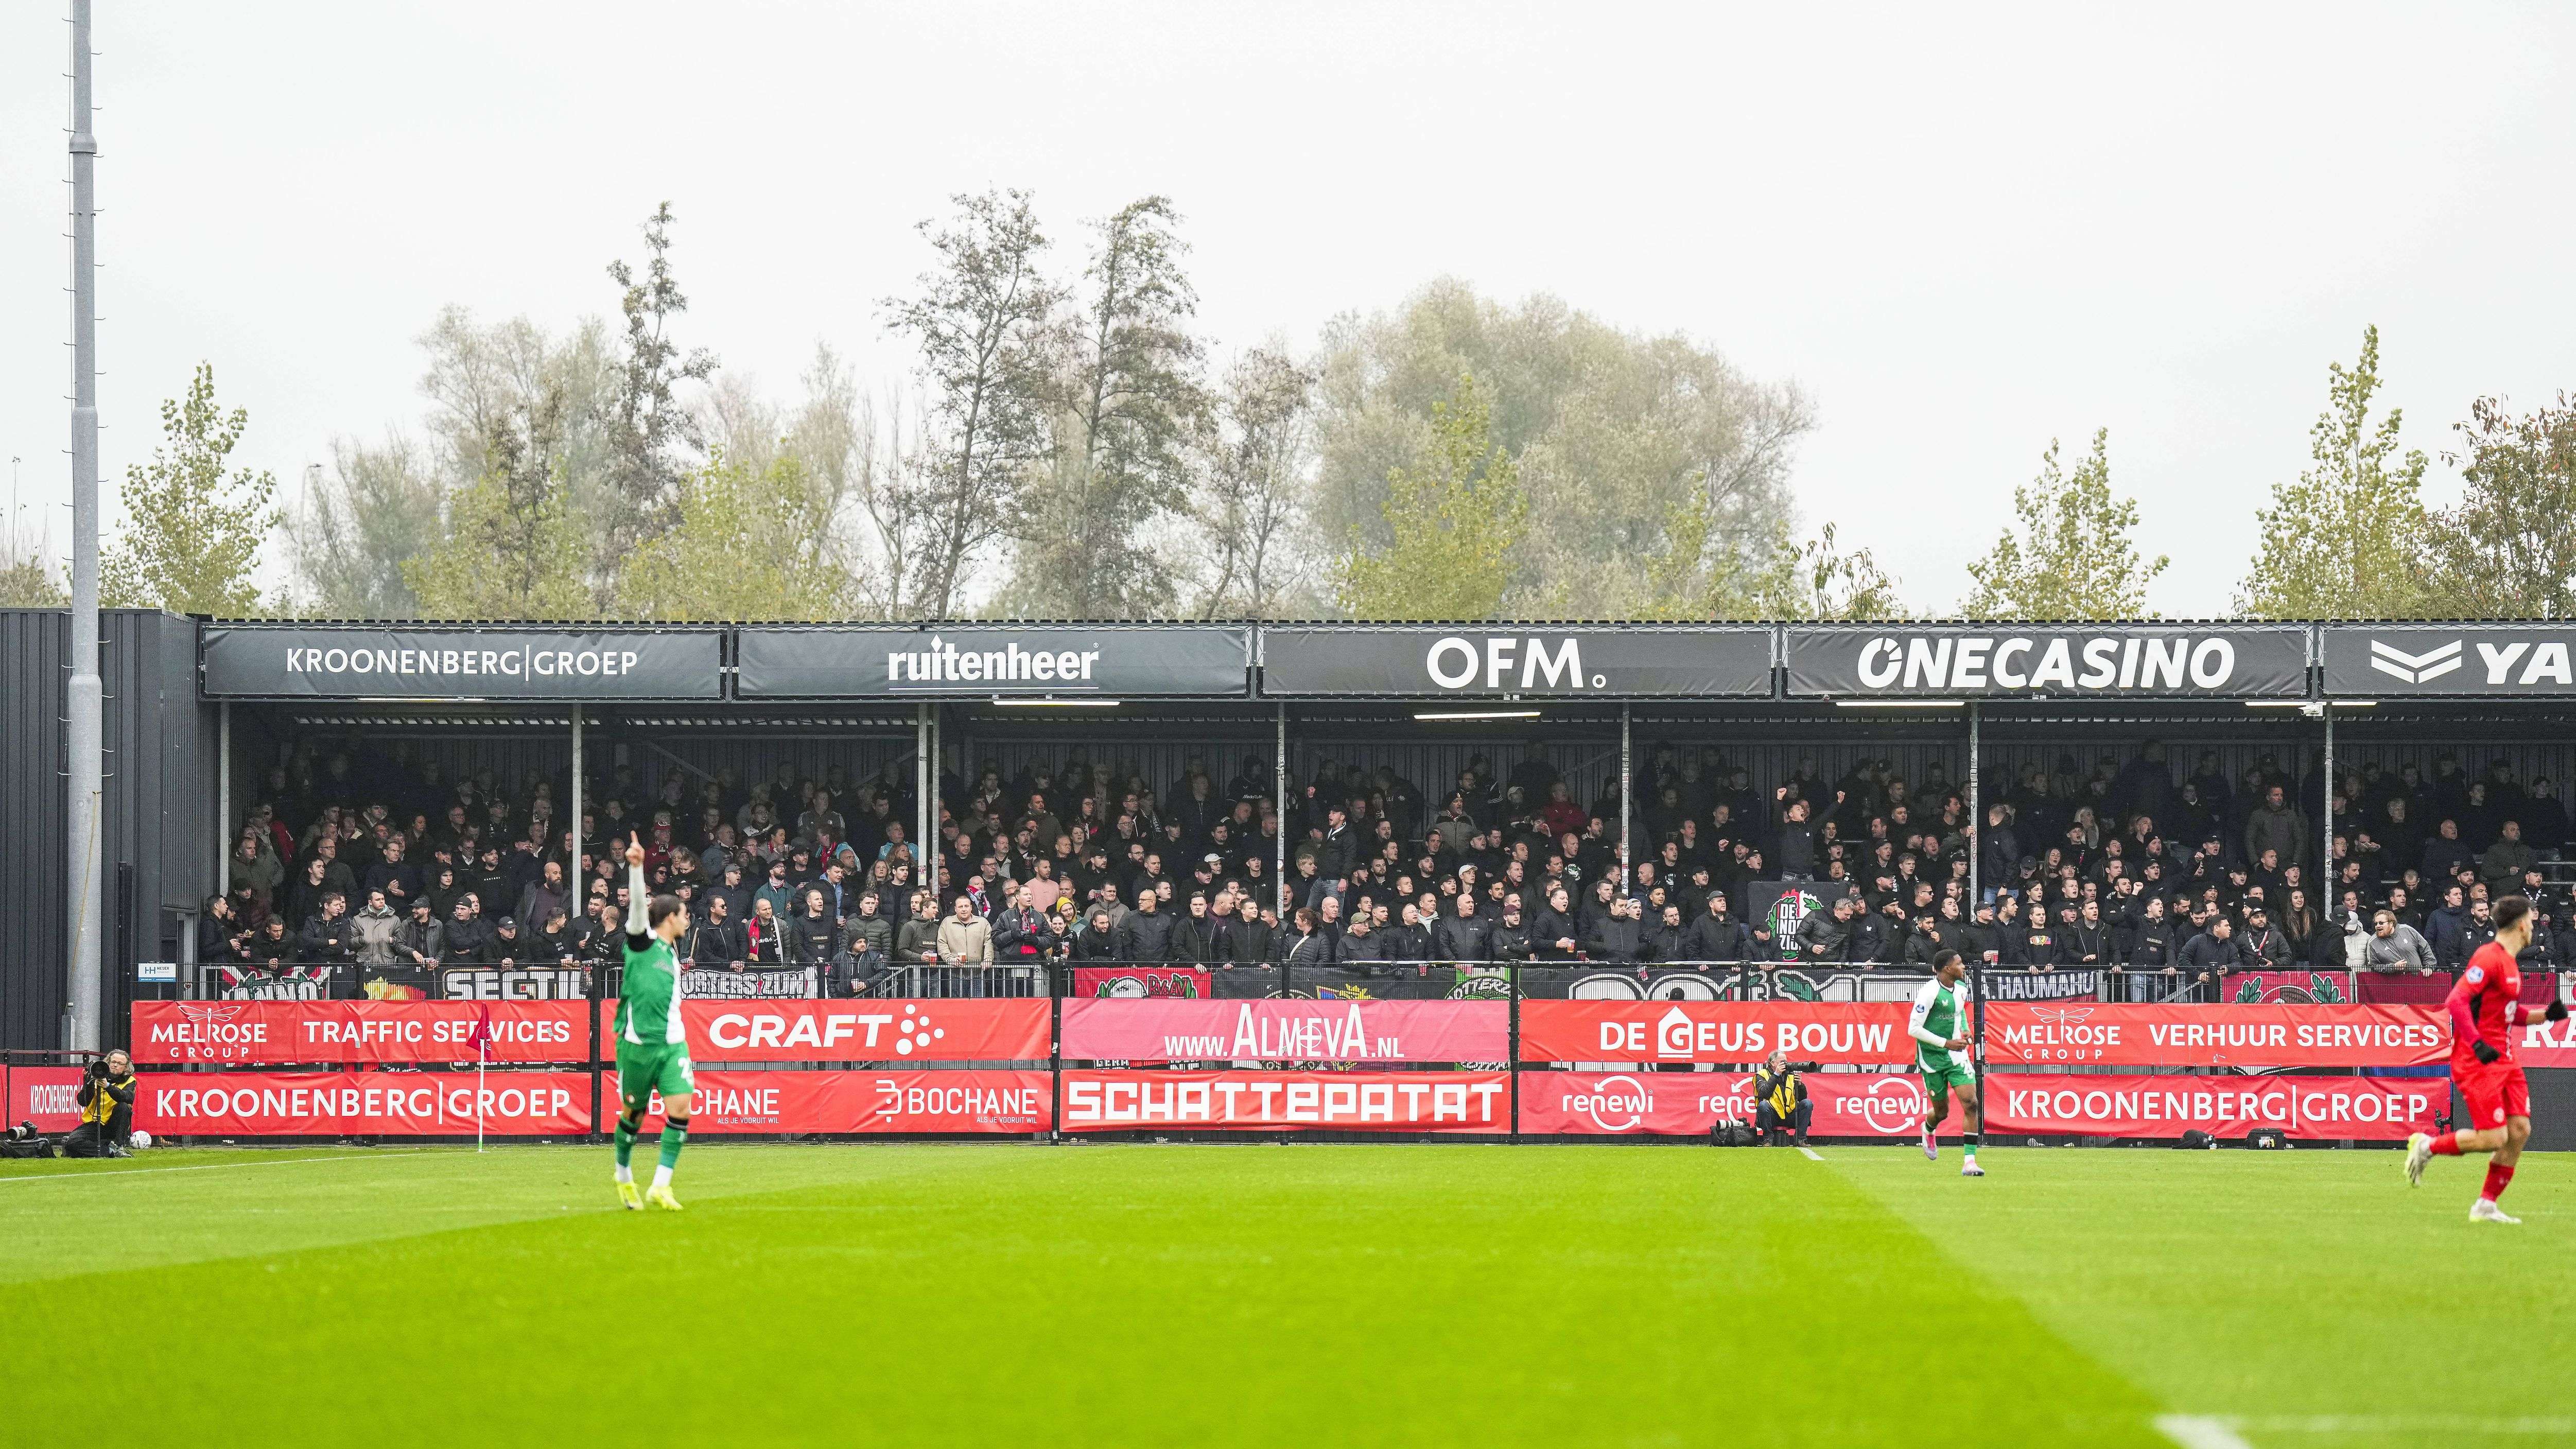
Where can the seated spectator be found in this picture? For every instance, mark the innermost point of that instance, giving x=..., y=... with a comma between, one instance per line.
x=2395, y=948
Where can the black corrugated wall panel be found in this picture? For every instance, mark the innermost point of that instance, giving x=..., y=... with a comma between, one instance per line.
x=159, y=751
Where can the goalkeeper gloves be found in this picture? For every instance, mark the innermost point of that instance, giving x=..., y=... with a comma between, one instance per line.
x=2484, y=1050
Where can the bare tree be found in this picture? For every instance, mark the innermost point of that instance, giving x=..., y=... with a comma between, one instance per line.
x=1249, y=506
x=1129, y=401
x=981, y=321
x=648, y=425
x=349, y=533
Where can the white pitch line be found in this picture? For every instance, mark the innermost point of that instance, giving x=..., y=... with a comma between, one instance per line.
x=1810, y=1154
x=2403, y=1423
x=200, y=1167
x=2200, y=1431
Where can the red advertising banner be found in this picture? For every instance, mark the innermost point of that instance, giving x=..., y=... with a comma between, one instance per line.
x=1688, y=1104
x=1173, y=1029
x=1142, y=981
x=363, y=1104
x=947, y=1029
x=2360, y=1108
x=1848, y=1033
x=2099, y=1033
x=2547, y=1044
x=929, y=1102
x=1257, y=1101
x=46, y=1096
x=259, y=1033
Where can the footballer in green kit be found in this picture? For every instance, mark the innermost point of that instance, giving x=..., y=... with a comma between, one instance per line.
x=1939, y=1026
x=652, y=1048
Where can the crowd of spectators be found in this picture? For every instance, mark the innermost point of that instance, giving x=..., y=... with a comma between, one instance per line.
x=367, y=861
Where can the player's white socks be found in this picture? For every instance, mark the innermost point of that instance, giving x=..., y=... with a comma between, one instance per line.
x=625, y=1173
x=661, y=1177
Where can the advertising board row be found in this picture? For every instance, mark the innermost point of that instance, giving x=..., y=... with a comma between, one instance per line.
x=887, y=662
x=988, y=1101
x=1297, y=1030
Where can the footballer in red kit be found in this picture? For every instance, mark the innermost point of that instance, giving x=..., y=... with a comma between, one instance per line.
x=2486, y=1009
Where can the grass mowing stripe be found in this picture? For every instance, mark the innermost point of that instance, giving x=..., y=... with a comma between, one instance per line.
x=2254, y=1287
x=1364, y=1295
x=2197, y=1431
x=108, y=1172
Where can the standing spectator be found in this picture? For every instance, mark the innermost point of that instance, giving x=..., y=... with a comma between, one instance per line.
x=814, y=936
x=965, y=939
x=545, y=895
x=2278, y=825
x=2396, y=949
x=1465, y=936
x=1146, y=933
x=376, y=928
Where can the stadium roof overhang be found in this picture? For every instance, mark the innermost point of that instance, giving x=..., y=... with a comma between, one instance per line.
x=864, y=676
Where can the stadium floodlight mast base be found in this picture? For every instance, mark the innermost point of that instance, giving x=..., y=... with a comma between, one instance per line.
x=84, y=715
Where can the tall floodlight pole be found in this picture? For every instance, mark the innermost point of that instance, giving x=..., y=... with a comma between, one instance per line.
x=85, y=722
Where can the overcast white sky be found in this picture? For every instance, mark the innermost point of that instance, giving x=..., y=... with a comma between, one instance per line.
x=1963, y=233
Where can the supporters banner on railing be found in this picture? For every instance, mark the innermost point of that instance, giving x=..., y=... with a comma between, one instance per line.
x=1857, y=1033
x=1258, y=1101
x=2359, y=1108
x=1688, y=1104
x=948, y=1029
x=363, y=1104
x=513, y=983
x=261, y=1033
x=2101, y=1034
x=2286, y=988
x=1142, y=980
x=1165, y=1029
x=749, y=985
x=981, y=1101
x=2042, y=985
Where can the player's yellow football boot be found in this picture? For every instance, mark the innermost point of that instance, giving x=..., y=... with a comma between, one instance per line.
x=629, y=1198
x=660, y=1197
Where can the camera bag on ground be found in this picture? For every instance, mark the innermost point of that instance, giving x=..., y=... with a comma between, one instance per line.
x=1731, y=1133
x=24, y=1140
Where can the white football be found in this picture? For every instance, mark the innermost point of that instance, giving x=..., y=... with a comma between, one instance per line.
x=142, y=1139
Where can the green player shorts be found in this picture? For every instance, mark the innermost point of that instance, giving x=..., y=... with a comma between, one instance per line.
x=652, y=1067
x=1939, y=1082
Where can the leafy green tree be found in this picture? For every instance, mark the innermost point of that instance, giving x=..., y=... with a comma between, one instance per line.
x=1454, y=522
x=1814, y=579
x=2507, y=549
x=512, y=549
x=1129, y=400
x=1664, y=470
x=192, y=536
x=743, y=549
x=2346, y=540
x=2073, y=555
x=27, y=582
x=983, y=321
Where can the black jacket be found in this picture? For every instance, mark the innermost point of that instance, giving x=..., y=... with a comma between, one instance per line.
x=1143, y=937
x=1195, y=941
x=715, y=943
x=1463, y=938
x=1617, y=939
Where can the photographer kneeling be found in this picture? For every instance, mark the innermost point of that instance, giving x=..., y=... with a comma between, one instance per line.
x=1780, y=1100
x=106, y=1100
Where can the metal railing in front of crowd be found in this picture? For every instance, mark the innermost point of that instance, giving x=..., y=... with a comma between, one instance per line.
x=877, y=976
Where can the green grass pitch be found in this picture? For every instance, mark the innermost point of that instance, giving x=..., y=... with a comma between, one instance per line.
x=1399, y=1295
